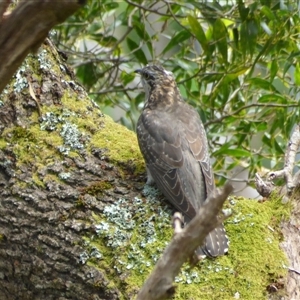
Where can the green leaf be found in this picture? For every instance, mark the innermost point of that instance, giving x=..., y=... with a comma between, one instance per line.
x=139, y=54
x=243, y=39
x=288, y=63
x=244, y=132
x=262, y=84
x=111, y=5
x=220, y=36
x=249, y=33
x=261, y=126
x=267, y=12
x=244, y=11
x=177, y=39
x=272, y=98
x=267, y=139
x=198, y=32
x=273, y=70
x=87, y=74
x=252, y=30
x=236, y=37
x=106, y=41
x=231, y=76
x=232, y=152
x=143, y=34
x=127, y=77
x=278, y=148
x=280, y=121
x=297, y=74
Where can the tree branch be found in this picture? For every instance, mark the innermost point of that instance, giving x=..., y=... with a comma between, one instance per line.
x=26, y=28
x=159, y=284
x=289, y=161
x=3, y=6
x=265, y=188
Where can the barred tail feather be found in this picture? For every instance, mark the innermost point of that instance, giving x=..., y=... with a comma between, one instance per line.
x=216, y=243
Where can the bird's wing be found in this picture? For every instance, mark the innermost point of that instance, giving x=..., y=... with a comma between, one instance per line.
x=176, y=157
x=195, y=136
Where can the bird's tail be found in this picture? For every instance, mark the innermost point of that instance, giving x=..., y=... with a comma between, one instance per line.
x=216, y=243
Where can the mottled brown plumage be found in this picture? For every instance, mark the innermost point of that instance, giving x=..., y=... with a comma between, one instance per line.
x=173, y=142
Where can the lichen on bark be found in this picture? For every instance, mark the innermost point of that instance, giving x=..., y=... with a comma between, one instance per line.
x=49, y=157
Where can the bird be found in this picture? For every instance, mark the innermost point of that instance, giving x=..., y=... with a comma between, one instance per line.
x=173, y=142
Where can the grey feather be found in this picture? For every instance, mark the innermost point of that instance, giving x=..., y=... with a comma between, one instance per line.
x=173, y=142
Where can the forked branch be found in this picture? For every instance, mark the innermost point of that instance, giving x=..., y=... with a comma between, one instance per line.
x=292, y=181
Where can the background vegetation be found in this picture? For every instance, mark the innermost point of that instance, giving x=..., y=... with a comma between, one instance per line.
x=237, y=62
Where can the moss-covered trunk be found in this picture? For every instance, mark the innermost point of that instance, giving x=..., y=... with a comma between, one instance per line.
x=76, y=220
x=54, y=175
x=291, y=246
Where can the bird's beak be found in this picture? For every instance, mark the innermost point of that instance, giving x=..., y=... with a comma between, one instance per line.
x=139, y=71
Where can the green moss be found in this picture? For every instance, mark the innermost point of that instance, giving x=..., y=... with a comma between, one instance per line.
x=3, y=143
x=18, y=133
x=71, y=102
x=121, y=142
x=36, y=179
x=79, y=111
x=255, y=259
x=52, y=139
x=73, y=154
x=28, y=145
x=51, y=178
x=97, y=188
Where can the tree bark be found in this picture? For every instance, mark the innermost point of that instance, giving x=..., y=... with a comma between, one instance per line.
x=291, y=246
x=46, y=206
x=290, y=193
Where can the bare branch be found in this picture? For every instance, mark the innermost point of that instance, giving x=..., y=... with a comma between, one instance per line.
x=159, y=284
x=265, y=188
x=155, y=11
x=289, y=162
x=26, y=28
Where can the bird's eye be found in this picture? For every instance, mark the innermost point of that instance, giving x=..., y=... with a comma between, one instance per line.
x=146, y=76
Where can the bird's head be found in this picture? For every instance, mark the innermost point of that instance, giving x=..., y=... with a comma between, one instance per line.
x=159, y=84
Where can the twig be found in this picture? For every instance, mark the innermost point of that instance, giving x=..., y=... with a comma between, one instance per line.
x=293, y=270
x=264, y=188
x=155, y=11
x=159, y=286
x=289, y=161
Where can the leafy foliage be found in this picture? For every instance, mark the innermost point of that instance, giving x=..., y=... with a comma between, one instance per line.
x=237, y=64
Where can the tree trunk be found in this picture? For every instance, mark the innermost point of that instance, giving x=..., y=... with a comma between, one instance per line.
x=51, y=170
x=74, y=224
x=291, y=246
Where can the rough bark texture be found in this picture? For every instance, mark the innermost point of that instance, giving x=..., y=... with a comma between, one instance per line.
x=291, y=246
x=290, y=193
x=46, y=206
